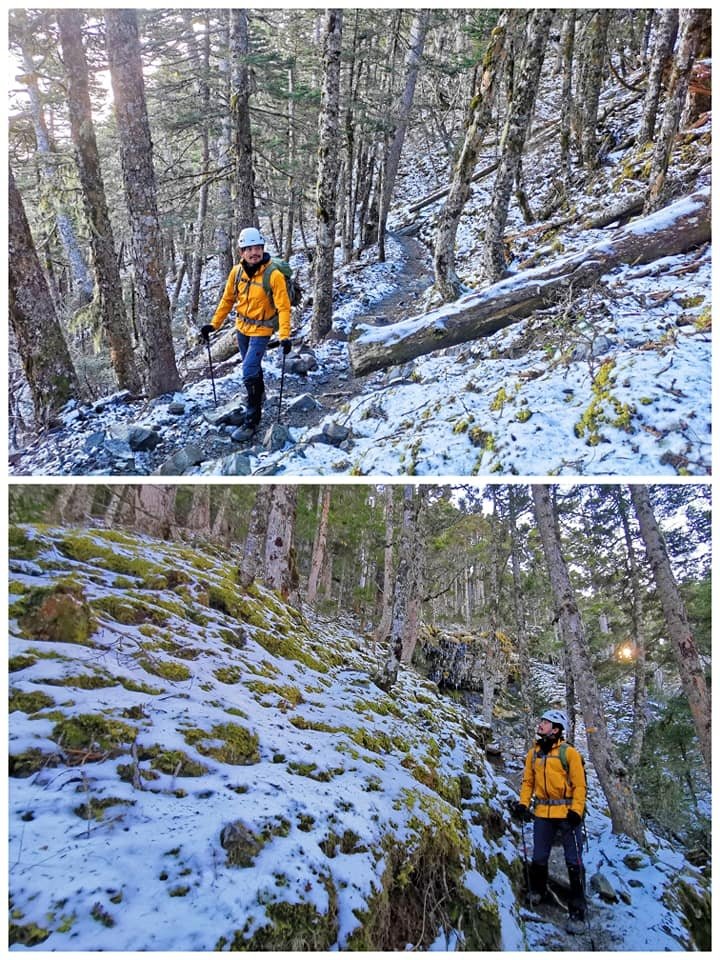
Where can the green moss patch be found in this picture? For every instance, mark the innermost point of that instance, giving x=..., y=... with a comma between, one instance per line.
x=95, y=808
x=90, y=731
x=233, y=744
x=27, y=934
x=86, y=548
x=20, y=545
x=286, y=692
x=58, y=613
x=28, y=702
x=28, y=762
x=21, y=662
x=168, y=670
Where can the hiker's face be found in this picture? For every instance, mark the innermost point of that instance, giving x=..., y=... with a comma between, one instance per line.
x=544, y=728
x=252, y=254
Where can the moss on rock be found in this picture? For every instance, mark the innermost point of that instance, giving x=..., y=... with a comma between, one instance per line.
x=57, y=613
x=233, y=743
x=90, y=731
x=28, y=702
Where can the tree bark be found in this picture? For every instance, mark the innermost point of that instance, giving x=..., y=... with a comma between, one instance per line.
x=594, y=64
x=280, y=567
x=251, y=563
x=102, y=244
x=679, y=227
x=692, y=674
x=613, y=777
x=328, y=170
x=153, y=309
x=478, y=121
x=242, y=135
x=513, y=139
x=319, y=549
x=154, y=506
x=692, y=27
x=202, y=59
x=403, y=628
x=394, y=151
x=383, y=628
x=41, y=344
x=661, y=58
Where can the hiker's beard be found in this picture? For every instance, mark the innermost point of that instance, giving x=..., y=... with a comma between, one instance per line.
x=546, y=741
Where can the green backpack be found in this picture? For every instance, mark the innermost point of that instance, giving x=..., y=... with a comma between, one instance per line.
x=295, y=291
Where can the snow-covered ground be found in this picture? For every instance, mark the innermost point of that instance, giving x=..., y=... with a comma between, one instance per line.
x=329, y=780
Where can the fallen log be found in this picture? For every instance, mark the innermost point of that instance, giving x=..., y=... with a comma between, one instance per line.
x=673, y=230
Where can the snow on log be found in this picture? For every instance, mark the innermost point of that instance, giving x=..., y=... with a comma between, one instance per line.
x=673, y=230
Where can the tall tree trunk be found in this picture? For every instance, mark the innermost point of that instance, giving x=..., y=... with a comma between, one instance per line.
x=383, y=628
x=40, y=341
x=692, y=27
x=319, y=549
x=197, y=524
x=407, y=581
x=513, y=138
x=50, y=173
x=478, y=120
x=661, y=58
x=220, y=530
x=526, y=693
x=394, y=152
x=567, y=45
x=251, y=563
x=102, y=244
x=225, y=214
x=640, y=692
x=612, y=775
x=245, y=215
x=328, y=169
x=692, y=674
x=153, y=309
x=202, y=59
x=594, y=64
x=155, y=510
x=280, y=567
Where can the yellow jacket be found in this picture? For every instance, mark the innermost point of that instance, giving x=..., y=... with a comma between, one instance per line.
x=545, y=779
x=254, y=309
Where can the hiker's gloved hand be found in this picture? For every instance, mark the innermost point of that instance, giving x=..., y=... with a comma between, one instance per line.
x=206, y=330
x=574, y=818
x=286, y=346
x=521, y=812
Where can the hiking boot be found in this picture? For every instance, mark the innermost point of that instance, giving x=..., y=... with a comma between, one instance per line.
x=535, y=898
x=576, y=923
x=244, y=433
x=538, y=876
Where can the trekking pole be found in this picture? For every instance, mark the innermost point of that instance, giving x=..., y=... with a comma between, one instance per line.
x=581, y=865
x=212, y=375
x=282, y=381
x=525, y=857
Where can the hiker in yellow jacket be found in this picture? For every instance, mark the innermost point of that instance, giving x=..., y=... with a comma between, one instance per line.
x=256, y=314
x=554, y=778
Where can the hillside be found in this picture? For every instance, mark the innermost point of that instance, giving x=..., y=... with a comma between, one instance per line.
x=609, y=379
x=194, y=768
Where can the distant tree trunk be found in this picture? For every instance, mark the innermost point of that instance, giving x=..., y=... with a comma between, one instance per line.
x=526, y=694
x=513, y=139
x=102, y=244
x=155, y=510
x=197, y=524
x=153, y=309
x=661, y=59
x=407, y=580
x=692, y=674
x=74, y=503
x=50, y=173
x=202, y=59
x=594, y=66
x=392, y=158
x=220, y=530
x=567, y=45
x=40, y=341
x=280, y=566
x=319, y=549
x=328, y=170
x=692, y=26
x=612, y=775
x=640, y=692
x=245, y=215
x=382, y=631
x=225, y=214
x=478, y=120
x=251, y=563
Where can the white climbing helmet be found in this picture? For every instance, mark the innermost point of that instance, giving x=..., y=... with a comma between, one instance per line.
x=556, y=717
x=250, y=237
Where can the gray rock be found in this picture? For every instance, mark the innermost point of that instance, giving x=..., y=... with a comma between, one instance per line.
x=276, y=437
x=181, y=461
x=335, y=433
x=142, y=438
x=176, y=408
x=231, y=414
x=304, y=404
x=236, y=465
x=600, y=883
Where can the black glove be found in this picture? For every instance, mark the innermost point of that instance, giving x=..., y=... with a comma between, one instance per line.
x=206, y=330
x=286, y=346
x=521, y=812
x=574, y=818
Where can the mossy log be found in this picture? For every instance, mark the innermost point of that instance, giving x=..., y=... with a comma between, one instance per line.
x=673, y=230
